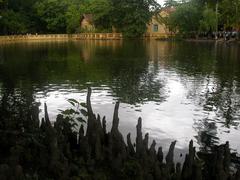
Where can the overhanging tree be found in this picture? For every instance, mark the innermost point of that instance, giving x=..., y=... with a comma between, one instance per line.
x=209, y=20
x=131, y=17
x=185, y=19
x=229, y=13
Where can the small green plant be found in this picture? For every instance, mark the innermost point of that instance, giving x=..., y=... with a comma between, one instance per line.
x=77, y=113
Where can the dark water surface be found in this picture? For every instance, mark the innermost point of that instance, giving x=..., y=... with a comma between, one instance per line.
x=182, y=90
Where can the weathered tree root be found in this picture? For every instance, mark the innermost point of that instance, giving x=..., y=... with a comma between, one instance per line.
x=57, y=152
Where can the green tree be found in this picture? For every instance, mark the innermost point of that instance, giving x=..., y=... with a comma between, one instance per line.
x=229, y=13
x=101, y=11
x=12, y=23
x=185, y=19
x=131, y=17
x=73, y=16
x=52, y=14
x=208, y=22
x=21, y=8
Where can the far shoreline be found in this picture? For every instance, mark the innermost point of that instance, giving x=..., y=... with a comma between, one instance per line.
x=212, y=40
x=99, y=36
x=46, y=37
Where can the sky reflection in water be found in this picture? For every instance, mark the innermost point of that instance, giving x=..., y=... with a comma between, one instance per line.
x=182, y=91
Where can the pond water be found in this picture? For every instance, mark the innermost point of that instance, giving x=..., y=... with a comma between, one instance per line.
x=182, y=90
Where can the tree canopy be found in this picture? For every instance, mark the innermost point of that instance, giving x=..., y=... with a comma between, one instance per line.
x=185, y=19
x=127, y=16
x=61, y=16
x=195, y=16
x=230, y=15
x=131, y=17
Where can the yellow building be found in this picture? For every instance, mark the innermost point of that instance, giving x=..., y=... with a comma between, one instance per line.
x=87, y=24
x=156, y=27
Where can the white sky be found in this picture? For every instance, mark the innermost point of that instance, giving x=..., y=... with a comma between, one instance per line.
x=160, y=2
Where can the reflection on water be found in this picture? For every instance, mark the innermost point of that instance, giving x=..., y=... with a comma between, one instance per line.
x=181, y=90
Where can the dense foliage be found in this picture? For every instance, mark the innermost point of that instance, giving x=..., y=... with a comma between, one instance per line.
x=61, y=16
x=131, y=16
x=127, y=16
x=185, y=19
x=197, y=16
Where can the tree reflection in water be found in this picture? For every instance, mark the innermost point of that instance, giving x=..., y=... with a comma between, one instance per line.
x=135, y=73
x=213, y=83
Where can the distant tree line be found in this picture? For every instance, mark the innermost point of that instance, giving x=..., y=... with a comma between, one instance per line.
x=193, y=17
x=63, y=16
x=127, y=16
